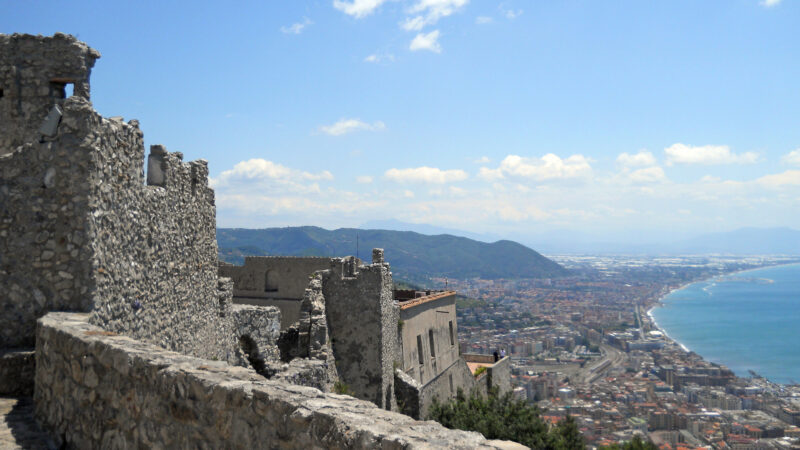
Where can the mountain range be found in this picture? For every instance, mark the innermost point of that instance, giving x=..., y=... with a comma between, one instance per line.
x=413, y=256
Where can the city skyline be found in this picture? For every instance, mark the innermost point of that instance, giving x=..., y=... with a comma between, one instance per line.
x=505, y=118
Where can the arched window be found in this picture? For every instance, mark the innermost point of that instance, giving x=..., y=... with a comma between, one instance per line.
x=270, y=281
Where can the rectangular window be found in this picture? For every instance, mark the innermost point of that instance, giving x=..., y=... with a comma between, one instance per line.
x=430, y=336
x=452, y=336
x=451, y=382
x=419, y=349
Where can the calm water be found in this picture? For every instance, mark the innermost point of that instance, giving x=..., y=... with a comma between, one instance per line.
x=746, y=321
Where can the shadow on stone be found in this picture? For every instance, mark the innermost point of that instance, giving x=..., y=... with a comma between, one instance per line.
x=17, y=417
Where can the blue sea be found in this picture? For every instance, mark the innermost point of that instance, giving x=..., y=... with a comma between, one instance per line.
x=747, y=321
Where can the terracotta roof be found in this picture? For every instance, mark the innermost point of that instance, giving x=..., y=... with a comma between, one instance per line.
x=426, y=299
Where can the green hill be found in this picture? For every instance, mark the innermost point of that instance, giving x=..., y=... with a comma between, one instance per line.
x=413, y=256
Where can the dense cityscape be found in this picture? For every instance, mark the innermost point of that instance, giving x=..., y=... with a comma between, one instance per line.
x=585, y=346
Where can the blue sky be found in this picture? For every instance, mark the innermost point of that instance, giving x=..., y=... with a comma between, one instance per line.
x=511, y=118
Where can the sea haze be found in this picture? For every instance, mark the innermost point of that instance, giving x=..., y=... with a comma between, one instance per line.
x=746, y=321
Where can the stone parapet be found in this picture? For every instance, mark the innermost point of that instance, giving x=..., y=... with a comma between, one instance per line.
x=16, y=372
x=96, y=389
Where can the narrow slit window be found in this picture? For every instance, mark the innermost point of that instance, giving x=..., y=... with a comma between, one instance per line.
x=419, y=349
x=452, y=336
x=430, y=338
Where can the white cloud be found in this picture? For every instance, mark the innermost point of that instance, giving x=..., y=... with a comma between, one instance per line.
x=511, y=14
x=408, y=194
x=378, y=58
x=257, y=168
x=297, y=28
x=641, y=159
x=357, y=8
x=648, y=175
x=482, y=20
x=547, y=167
x=344, y=126
x=428, y=12
x=707, y=154
x=490, y=174
x=788, y=178
x=792, y=158
x=426, y=41
x=425, y=175
x=364, y=179
x=483, y=160
x=769, y=3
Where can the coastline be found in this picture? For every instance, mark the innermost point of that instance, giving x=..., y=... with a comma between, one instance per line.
x=658, y=303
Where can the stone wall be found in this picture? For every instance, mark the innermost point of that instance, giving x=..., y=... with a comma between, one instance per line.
x=278, y=281
x=34, y=74
x=362, y=320
x=80, y=230
x=257, y=327
x=45, y=256
x=280, y=277
x=415, y=399
x=16, y=372
x=95, y=389
x=155, y=247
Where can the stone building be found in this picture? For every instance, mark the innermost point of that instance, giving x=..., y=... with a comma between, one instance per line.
x=396, y=348
x=113, y=310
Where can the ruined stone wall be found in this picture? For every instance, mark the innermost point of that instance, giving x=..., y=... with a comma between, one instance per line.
x=423, y=321
x=155, y=248
x=45, y=259
x=80, y=230
x=34, y=74
x=415, y=400
x=280, y=277
x=257, y=326
x=99, y=390
x=362, y=320
x=278, y=281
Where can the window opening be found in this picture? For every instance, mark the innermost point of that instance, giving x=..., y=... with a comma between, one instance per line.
x=270, y=281
x=452, y=337
x=60, y=90
x=430, y=337
x=419, y=349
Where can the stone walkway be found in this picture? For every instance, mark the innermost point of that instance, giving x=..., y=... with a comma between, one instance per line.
x=18, y=430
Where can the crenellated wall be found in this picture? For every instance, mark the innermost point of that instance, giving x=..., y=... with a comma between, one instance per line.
x=79, y=228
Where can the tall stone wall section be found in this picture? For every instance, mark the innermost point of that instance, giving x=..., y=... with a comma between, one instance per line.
x=80, y=230
x=34, y=74
x=155, y=248
x=45, y=256
x=362, y=320
x=99, y=390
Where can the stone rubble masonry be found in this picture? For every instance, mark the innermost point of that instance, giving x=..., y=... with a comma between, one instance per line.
x=34, y=72
x=96, y=389
x=16, y=372
x=362, y=320
x=260, y=325
x=80, y=230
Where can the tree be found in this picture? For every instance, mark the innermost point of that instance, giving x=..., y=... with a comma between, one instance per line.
x=634, y=444
x=502, y=417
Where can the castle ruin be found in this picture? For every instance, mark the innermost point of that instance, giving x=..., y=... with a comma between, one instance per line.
x=109, y=282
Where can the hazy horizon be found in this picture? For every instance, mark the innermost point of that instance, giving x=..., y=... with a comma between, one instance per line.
x=508, y=119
